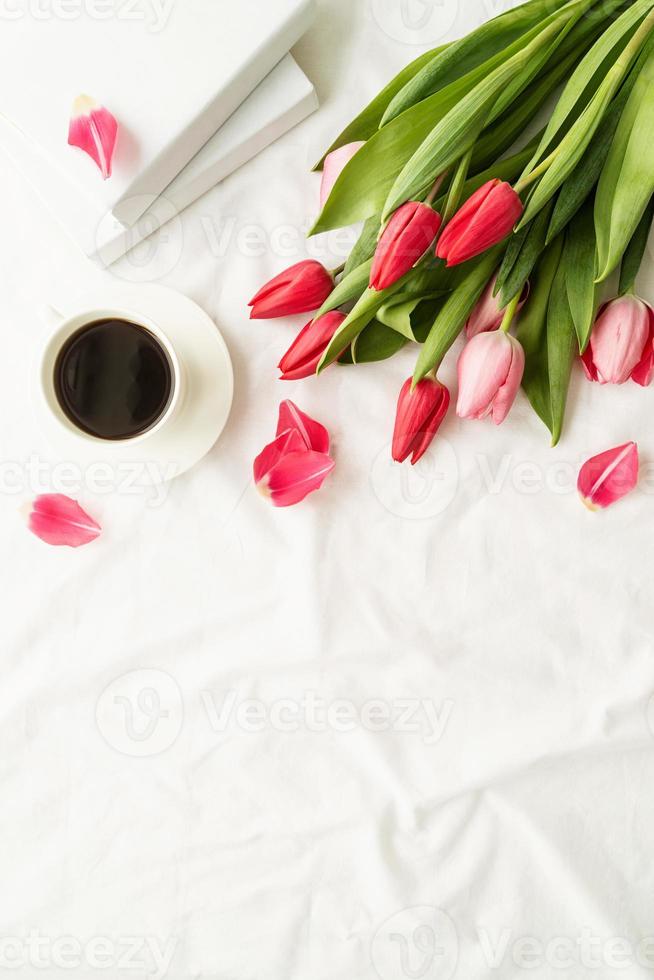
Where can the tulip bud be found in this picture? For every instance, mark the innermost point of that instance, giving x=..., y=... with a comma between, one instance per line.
x=490, y=371
x=335, y=163
x=419, y=415
x=622, y=343
x=407, y=237
x=488, y=314
x=484, y=220
x=609, y=476
x=302, y=357
x=300, y=289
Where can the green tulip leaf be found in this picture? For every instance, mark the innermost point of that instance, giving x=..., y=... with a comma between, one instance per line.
x=585, y=79
x=366, y=244
x=468, y=53
x=457, y=131
x=532, y=333
x=573, y=145
x=376, y=342
x=633, y=257
x=580, y=261
x=349, y=288
x=627, y=182
x=561, y=347
x=367, y=122
x=522, y=254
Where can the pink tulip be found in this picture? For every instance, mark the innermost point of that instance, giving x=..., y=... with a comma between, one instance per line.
x=297, y=462
x=609, y=476
x=300, y=289
x=302, y=357
x=407, y=237
x=622, y=343
x=335, y=163
x=490, y=370
x=419, y=415
x=484, y=220
x=93, y=129
x=488, y=314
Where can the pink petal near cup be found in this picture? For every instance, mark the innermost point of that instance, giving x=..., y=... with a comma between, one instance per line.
x=93, y=129
x=335, y=163
x=58, y=520
x=296, y=462
x=608, y=477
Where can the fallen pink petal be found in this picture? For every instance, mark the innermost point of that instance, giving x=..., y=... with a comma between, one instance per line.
x=58, y=520
x=296, y=462
x=94, y=130
x=314, y=435
x=608, y=477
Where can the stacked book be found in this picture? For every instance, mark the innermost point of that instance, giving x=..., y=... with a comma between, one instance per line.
x=198, y=87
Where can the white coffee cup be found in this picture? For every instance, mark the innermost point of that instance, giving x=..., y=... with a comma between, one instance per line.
x=66, y=327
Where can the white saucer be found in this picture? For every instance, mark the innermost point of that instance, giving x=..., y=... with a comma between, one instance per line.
x=192, y=432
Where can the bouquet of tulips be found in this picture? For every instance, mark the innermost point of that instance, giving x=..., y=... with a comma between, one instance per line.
x=471, y=222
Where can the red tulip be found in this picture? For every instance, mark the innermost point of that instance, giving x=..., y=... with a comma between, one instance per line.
x=300, y=289
x=302, y=357
x=490, y=369
x=609, y=476
x=622, y=343
x=297, y=462
x=407, y=236
x=484, y=220
x=419, y=415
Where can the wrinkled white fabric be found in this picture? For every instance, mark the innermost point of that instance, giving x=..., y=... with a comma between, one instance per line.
x=400, y=731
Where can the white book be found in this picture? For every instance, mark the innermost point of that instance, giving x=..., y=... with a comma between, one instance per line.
x=170, y=84
x=280, y=101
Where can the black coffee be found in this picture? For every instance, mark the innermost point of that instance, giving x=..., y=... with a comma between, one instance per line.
x=113, y=379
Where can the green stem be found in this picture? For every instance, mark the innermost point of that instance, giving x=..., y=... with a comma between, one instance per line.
x=509, y=313
x=431, y=197
x=458, y=184
x=337, y=271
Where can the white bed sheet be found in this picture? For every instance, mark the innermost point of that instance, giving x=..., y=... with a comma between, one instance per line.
x=401, y=731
